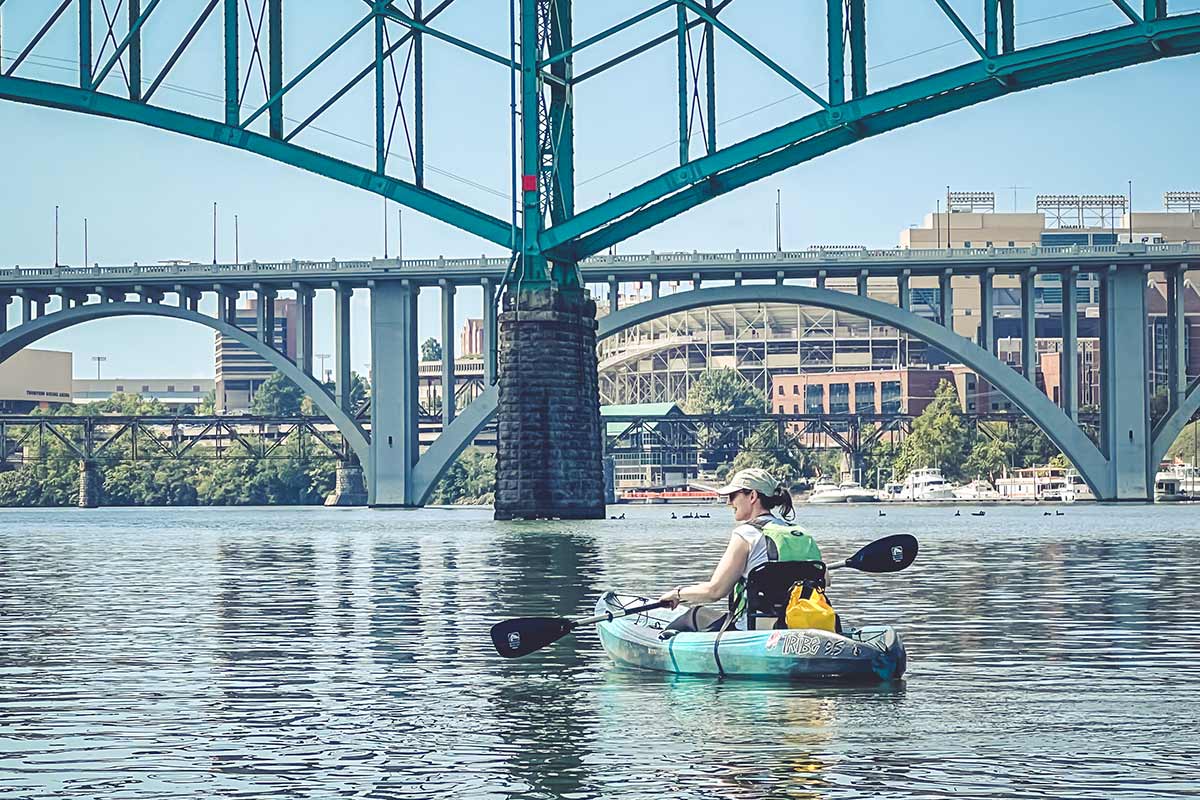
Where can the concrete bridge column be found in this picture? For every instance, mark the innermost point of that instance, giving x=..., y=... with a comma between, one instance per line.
x=341, y=343
x=1176, y=338
x=189, y=297
x=489, y=332
x=695, y=280
x=862, y=283
x=1068, y=368
x=614, y=294
x=549, y=456
x=1124, y=405
x=89, y=485
x=265, y=316
x=394, y=407
x=987, y=311
x=946, y=299
x=349, y=489
x=304, y=326
x=227, y=297
x=5, y=299
x=904, y=294
x=821, y=279
x=654, y=286
x=448, y=381
x=149, y=294
x=1028, y=322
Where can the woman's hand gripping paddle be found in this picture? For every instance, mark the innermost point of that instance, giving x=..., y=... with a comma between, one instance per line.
x=514, y=638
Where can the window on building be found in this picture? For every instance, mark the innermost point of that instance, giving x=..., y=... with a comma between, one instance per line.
x=1012, y=244
x=814, y=399
x=795, y=408
x=839, y=398
x=795, y=388
x=966, y=244
x=120, y=388
x=780, y=408
x=987, y=244
x=195, y=387
x=170, y=387
x=145, y=387
x=889, y=395
x=864, y=398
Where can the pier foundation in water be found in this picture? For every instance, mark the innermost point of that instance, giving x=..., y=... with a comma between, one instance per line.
x=548, y=461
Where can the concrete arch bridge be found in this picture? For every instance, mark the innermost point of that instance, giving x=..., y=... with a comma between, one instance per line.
x=398, y=473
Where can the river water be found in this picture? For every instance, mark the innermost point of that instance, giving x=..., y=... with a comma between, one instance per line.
x=286, y=652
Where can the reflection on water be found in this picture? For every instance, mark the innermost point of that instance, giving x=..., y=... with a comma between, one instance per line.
x=316, y=653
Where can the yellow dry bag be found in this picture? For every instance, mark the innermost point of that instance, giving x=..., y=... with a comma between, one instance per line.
x=809, y=608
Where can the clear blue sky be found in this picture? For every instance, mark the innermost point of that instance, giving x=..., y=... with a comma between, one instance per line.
x=148, y=194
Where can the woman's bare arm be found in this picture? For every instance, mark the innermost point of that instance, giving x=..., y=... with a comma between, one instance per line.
x=731, y=567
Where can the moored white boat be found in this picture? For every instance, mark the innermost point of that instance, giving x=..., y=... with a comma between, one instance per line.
x=1175, y=482
x=976, y=490
x=925, y=486
x=826, y=492
x=855, y=492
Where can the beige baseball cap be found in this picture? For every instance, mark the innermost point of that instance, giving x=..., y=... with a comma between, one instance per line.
x=759, y=480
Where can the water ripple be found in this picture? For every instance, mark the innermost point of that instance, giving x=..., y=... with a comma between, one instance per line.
x=317, y=653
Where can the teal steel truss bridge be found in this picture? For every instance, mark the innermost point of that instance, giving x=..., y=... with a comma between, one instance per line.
x=545, y=61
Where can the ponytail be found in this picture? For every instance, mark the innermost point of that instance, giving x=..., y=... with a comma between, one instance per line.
x=782, y=500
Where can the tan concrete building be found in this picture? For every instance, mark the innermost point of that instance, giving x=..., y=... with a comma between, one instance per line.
x=179, y=395
x=35, y=379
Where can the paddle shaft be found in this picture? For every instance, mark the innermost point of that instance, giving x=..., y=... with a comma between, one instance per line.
x=611, y=615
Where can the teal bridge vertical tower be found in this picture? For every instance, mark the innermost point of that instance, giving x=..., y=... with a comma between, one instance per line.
x=540, y=316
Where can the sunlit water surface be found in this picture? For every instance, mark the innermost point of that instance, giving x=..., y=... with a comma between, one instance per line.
x=319, y=653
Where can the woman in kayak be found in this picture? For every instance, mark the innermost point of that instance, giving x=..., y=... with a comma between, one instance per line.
x=762, y=507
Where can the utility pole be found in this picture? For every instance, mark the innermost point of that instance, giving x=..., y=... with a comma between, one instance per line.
x=948, y=245
x=1014, y=191
x=98, y=360
x=1131, y=210
x=778, y=223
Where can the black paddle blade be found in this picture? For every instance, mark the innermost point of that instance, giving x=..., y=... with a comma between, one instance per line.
x=889, y=554
x=514, y=638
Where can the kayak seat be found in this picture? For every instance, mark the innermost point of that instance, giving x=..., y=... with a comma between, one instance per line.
x=769, y=585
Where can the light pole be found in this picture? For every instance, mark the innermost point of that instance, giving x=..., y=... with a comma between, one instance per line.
x=778, y=223
x=98, y=360
x=324, y=374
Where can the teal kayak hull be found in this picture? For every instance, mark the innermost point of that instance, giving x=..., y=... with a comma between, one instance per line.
x=873, y=653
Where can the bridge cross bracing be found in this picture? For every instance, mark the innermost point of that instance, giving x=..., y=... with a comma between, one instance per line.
x=549, y=233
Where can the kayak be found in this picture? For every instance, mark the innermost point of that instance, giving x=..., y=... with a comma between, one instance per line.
x=871, y=653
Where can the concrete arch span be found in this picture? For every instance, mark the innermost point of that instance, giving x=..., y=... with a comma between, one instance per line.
x=1065, y=434
x=1172, y=425
x=30, y=332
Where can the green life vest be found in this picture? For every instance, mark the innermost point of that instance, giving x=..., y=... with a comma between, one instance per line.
x=789, y=543
x=784, y=543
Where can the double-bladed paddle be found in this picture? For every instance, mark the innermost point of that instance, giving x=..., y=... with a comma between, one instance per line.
x=514, y=638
